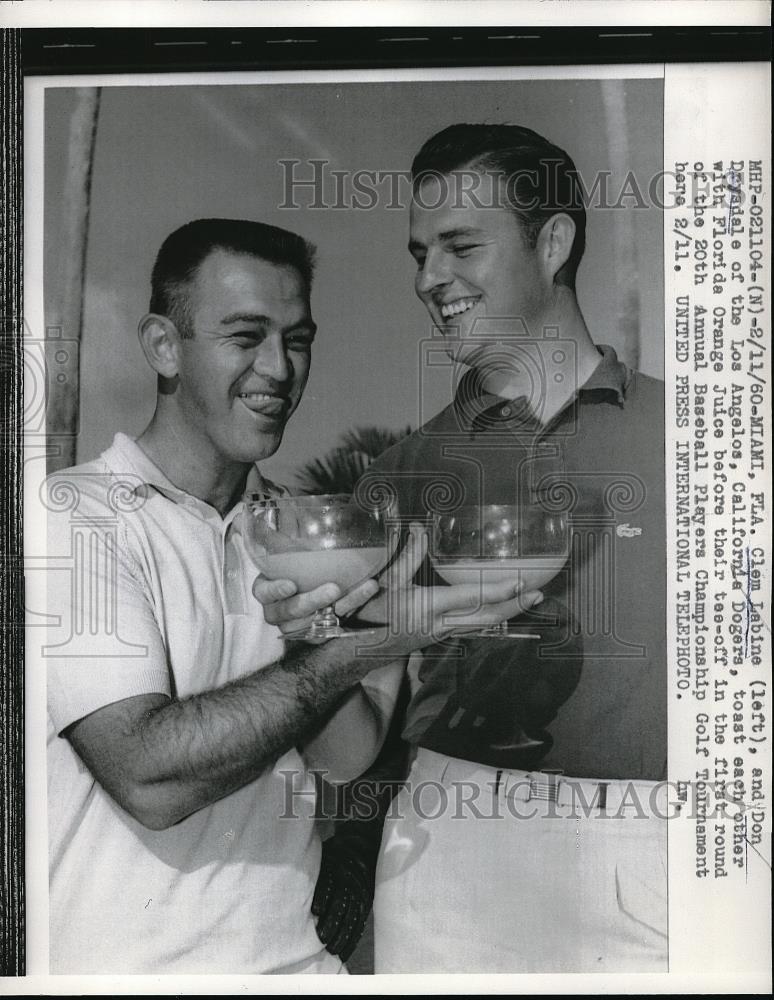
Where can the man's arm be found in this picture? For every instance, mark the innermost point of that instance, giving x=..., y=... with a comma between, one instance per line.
x=350, y=740
x=162, y=760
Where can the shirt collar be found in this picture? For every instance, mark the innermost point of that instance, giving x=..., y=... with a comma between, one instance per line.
x=125, y=455
x=610, y=374
x=611, y=377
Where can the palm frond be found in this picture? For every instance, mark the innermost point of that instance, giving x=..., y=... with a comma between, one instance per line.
x=343, y=465
x=372, y=441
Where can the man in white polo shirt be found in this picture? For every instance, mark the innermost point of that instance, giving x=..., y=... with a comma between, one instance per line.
x=180, y=729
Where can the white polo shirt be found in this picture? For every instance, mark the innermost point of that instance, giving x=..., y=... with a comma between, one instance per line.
x=151, y=589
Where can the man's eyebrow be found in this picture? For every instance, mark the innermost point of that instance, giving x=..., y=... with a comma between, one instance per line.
x=307, y=325
x=258, y=319
x=446, y=235
x=242, y=317
x=452, y=234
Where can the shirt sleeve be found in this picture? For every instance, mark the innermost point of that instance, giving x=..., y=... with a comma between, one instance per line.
x=102, y=643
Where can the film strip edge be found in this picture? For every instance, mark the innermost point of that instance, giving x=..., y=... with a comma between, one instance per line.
x=12, y=915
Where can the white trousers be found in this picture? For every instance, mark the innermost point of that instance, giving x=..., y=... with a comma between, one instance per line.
x=487, y=871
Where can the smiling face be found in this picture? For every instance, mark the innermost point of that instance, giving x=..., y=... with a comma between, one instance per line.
x=242, y=372
x=475, y=273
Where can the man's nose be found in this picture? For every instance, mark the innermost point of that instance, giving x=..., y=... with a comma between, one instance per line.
x=271, y=358
x=433, y=273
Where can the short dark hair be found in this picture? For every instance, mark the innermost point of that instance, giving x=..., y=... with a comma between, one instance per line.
x=518, y=155
x=184, y=250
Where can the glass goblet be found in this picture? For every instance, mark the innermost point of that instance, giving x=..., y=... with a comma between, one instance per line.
x=493, y=543
x=313, y=540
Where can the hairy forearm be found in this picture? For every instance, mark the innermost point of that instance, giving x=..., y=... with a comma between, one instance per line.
x=162, y=760
x=179, y=756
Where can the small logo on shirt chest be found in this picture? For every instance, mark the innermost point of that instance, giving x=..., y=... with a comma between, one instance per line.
x=626, y=531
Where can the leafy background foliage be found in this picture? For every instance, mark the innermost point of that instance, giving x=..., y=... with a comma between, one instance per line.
x=339, y=469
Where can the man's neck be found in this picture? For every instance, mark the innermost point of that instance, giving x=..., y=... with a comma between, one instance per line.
x=208, y=478
x=567, y=361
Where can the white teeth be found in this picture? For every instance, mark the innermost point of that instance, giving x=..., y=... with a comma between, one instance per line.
x=255, y=395
x=455, y=308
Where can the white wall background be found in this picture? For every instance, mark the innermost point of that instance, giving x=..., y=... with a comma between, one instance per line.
x=165, y=155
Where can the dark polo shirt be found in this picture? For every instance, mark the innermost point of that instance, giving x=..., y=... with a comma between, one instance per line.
x=589, y=697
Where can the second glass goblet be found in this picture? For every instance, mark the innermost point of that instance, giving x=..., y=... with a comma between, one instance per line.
x=493, y=543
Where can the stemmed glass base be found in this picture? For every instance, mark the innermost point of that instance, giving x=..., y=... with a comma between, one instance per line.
x=326, y=625
x=505, y=631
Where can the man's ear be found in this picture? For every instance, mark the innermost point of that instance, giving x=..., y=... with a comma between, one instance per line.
x=555, y=243
x=159, y=340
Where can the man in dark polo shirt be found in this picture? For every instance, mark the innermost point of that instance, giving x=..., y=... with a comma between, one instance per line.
x=531, y=835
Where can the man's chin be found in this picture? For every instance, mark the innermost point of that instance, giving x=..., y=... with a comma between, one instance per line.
x=260, y=445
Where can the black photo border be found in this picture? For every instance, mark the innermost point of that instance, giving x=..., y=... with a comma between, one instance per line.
x=48, y=51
